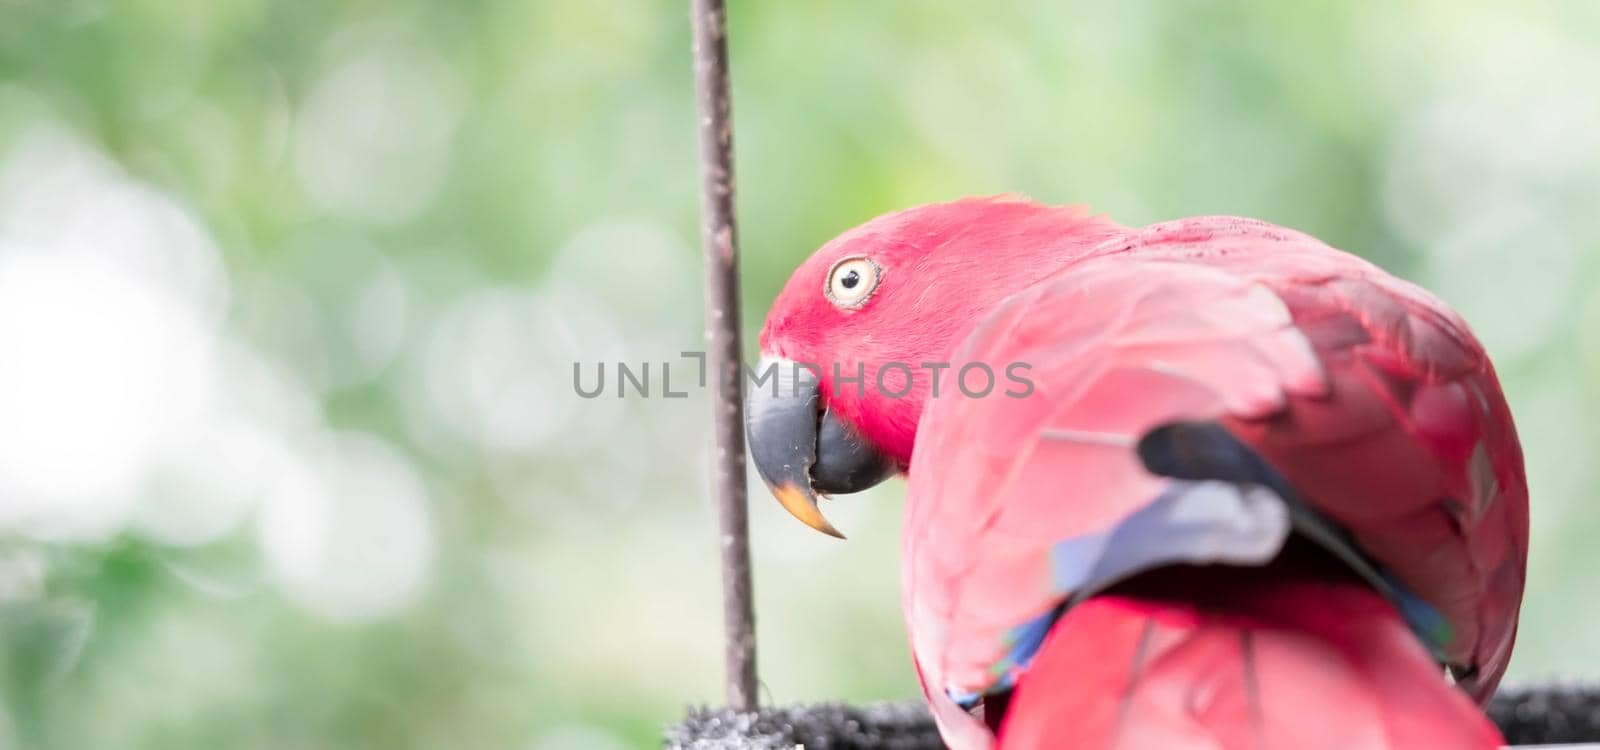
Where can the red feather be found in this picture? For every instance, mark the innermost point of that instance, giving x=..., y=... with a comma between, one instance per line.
x=1368, y=395
x=1239, y=661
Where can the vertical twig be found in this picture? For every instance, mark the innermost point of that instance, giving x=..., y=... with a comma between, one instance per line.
x=719, y=235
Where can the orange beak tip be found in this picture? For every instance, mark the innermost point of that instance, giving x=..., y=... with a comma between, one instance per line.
x=802, y=504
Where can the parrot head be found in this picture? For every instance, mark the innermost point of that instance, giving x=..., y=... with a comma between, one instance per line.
x=860, y=337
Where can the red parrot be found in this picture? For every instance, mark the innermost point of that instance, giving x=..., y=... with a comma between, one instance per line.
x=1207, y=484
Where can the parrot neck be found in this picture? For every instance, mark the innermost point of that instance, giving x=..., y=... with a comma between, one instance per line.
x=924, y=346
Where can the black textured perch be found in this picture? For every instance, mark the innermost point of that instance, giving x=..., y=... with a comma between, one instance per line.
x=1526, y=715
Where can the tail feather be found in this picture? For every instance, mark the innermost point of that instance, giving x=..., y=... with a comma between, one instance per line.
x=1255, y=661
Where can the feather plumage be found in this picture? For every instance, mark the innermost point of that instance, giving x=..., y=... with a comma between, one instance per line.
x=1369, y=397
x=1354, y=401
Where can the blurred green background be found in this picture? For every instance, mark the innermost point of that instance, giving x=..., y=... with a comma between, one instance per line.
x=290, y=293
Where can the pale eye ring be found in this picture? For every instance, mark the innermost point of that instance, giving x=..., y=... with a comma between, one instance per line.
x=851, y=282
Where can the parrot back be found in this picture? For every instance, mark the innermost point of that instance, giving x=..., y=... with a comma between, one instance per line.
x=1239, y=660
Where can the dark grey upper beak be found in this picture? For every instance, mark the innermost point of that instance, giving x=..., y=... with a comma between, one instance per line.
x=800, y=449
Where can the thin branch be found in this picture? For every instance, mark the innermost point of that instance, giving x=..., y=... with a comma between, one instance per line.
x=719, y=234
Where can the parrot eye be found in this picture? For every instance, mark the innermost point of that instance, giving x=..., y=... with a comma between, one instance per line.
x=850, y=282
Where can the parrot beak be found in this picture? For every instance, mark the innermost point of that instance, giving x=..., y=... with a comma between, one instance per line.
x=800, y=449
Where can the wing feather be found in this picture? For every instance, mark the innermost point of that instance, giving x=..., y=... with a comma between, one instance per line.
x=1367, y=394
